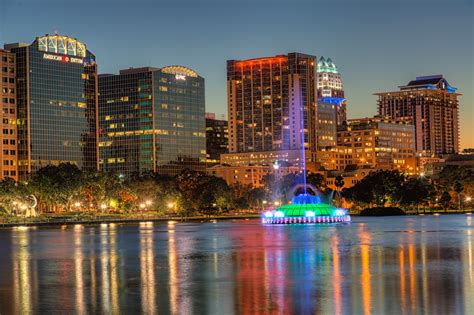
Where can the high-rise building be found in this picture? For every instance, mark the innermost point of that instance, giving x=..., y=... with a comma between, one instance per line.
x=217, y=138
x=8, y=136
x=331, y=111
x=377, y=142
x=431, y=105
x=56, y=103
x=330, y=88
x=329, y=79
x=152, y=120
x=272, y=105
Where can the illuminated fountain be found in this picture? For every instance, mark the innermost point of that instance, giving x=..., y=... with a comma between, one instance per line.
x=305, y=208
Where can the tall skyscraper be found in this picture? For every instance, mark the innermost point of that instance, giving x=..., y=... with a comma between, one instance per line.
x=8, y=136
x=330, y=88
x=272, y=106
x=431, y=105
x=56, y=103
x=331, y=111
x=217, y=138
x=152, y=120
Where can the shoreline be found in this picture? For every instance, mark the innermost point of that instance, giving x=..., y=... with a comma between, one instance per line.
x=60, y=222
x=139, y=219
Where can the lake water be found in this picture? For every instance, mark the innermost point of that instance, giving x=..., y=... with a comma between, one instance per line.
x=387, y=265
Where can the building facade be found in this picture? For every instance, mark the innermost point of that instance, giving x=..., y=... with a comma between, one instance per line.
x=152, y=120
x=8, y=137
x=56, y=103
x=249, y=175
x=217, y=138
x=431, y=105
x=272, y=104
x=377, y=142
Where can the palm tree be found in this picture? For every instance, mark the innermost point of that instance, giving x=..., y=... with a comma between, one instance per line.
x=339, y=183
x=458, y=189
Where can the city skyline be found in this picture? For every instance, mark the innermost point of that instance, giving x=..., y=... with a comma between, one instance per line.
x=372, y=57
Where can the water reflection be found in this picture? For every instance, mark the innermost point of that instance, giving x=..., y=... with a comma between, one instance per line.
x=147, y=268
x=412, y=265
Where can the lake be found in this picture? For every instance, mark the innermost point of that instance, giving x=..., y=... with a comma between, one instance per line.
x=384, y=265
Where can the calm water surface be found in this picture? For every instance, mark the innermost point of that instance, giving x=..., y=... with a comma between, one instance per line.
x=411, y=265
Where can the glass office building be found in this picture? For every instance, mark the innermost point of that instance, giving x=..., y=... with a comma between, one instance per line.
x=152, y=120
x=57, y=103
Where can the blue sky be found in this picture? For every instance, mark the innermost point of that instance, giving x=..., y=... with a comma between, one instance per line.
x=378, y=45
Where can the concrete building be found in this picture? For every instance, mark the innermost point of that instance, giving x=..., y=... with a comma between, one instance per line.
x=8, y=115
x=272, y=104
x=250, y=175
x=378, y=142
x=431, y=105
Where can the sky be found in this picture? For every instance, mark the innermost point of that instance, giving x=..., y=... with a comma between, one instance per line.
x=378, y=45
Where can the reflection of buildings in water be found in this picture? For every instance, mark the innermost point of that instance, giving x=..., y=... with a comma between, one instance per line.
x=22, y=291
x=271, y=268
x=78, y=272
x=468, y=278
x=147, y=268
x=108, y=282
x=336, y=277
x=365, y=277
x=218, y=270
x=173, y=267
x=251, y=270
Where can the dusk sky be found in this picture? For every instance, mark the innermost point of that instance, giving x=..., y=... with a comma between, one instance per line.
x=377, y=44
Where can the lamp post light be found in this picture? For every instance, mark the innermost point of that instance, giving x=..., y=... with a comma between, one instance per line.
x=103, y=207
x=148, y=203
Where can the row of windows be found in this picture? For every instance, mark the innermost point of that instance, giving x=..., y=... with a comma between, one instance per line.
x=11, y=173
x=8, y=80
x=6, y=100
x=8, y=70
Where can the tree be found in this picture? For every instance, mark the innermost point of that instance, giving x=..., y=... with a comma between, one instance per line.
x=339, y=182
x=317, y=180
x=378, y=187
x=458, y=189
x=415, y=191
x=56, y=186
x=255, y=197
x=445, y=199
x=12, y=195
